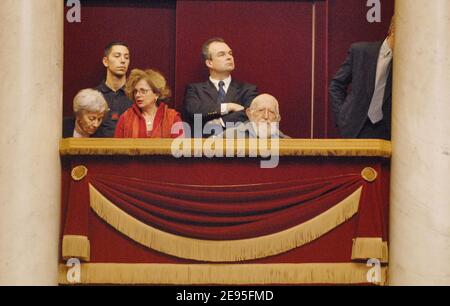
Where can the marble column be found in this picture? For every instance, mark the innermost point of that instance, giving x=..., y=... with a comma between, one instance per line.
x=31, y=56
x=420, y=185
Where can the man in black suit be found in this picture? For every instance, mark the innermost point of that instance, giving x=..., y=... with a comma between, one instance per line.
x=365, y=112
x=221, y=100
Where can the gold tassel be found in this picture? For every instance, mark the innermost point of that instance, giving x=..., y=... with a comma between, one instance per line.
x=228, y=250
x=76, y=247
x=222, y=274
x=366, y=248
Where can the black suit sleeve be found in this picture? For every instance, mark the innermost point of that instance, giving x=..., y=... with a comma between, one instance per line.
x=194, y=104
x=249, y=93
x=68, y=127
x=235, y=117
x=339, y=84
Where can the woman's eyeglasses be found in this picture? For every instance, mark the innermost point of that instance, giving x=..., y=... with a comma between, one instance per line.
x=141, y=91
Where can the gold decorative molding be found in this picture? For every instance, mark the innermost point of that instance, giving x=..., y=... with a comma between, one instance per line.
x=79, y=172
x=286, y=147
x=369, y=174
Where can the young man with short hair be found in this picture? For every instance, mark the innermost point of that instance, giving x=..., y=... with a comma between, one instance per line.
x=116, y=60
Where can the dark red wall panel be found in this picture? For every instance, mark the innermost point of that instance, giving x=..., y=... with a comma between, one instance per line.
x=320, y=104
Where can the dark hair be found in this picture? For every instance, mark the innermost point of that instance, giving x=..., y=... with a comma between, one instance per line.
x=205, y=48
x=112, y=44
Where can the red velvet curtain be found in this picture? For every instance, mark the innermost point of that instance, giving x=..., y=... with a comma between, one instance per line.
x=227, y=212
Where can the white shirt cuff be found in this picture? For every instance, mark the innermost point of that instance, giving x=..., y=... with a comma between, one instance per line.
x=223, y=109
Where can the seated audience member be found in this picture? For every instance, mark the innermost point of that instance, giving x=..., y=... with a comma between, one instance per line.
x=89, y=108
x=264, y=118
x=220, y=99
x=149, y=117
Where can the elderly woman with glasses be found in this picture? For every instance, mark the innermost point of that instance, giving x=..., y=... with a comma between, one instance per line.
x=149, y=117
x=89, y=108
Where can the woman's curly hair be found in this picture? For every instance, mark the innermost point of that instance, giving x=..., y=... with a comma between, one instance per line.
x=155, y=80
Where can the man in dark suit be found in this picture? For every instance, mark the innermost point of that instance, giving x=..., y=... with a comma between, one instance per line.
x=365, y=112
x=221, y=100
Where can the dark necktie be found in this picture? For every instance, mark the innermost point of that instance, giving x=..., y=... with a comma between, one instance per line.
x=221, y=98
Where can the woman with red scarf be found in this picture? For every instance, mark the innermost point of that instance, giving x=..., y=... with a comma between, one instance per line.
x=148, y=117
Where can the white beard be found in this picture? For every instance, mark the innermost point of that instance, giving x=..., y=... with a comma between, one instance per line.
x=265, y=130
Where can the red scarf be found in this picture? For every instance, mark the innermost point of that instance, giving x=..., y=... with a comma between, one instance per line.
x=132, y=124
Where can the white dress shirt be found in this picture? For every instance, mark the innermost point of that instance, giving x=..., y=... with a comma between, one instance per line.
x=227, y=81
x=77, y=135
x=375, y=112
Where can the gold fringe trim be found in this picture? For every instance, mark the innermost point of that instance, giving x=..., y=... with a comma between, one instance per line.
x=286, y=147
x=366, y=248
x=217, y=274
x=224, y=251
x=76, y=247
